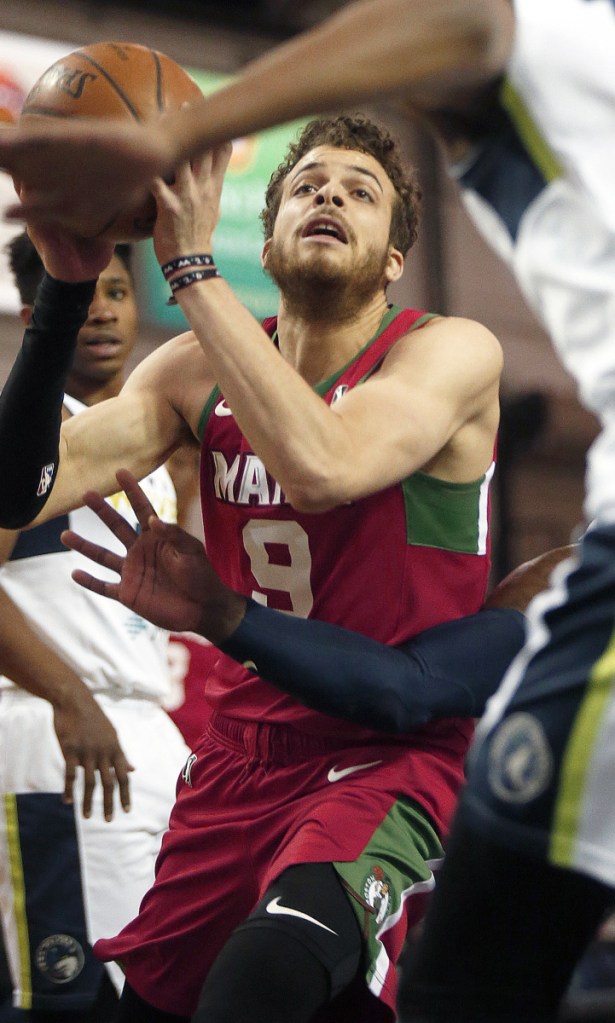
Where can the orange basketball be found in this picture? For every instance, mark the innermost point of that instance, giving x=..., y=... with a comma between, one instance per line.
x=122, y=80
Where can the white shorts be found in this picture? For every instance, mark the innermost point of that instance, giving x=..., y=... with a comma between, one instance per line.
x=66, y=881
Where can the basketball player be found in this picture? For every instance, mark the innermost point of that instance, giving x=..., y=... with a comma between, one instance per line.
x=553, y=219
x=322, y=808
x=66, y=877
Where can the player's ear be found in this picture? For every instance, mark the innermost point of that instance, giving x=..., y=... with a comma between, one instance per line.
x=265, y=253
x=395, y=265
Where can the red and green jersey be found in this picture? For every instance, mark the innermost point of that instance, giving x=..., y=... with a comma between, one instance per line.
x=388, y=565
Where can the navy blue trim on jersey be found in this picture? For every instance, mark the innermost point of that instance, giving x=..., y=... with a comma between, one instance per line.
x=449, y=670
x=516, y=769
x=504, y=174
x=44, y=539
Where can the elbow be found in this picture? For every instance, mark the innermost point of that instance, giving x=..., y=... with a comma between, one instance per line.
x=315, y=494
x=311, y=501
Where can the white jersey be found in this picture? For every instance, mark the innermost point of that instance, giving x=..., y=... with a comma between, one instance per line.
x=540, y=189
x=72, y=897
x=111, y=648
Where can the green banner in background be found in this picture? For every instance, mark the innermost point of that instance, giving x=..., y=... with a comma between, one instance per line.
x=239, y=237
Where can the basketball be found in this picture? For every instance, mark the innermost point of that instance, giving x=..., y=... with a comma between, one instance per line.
x=119, y=80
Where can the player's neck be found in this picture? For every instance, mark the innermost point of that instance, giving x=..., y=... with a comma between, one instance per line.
x=317, y=347
x=91, y=392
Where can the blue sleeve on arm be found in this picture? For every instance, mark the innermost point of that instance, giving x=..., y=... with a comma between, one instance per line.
x=31, y=399
x=447, y=671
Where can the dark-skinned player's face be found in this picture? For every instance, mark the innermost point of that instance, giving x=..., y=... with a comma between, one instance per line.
x=108, y=336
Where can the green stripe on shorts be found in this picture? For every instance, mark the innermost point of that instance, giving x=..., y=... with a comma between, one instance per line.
x=393, y=865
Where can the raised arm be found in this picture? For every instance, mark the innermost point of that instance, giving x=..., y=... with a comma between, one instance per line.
x=45, y=465
x=367, y=49
x=84, y=173
x=437, y=387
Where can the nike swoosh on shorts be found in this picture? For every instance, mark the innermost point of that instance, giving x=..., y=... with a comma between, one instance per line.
x=336, y=775
x=275, y=909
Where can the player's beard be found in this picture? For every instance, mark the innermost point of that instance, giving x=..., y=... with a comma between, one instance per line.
x=318, y=289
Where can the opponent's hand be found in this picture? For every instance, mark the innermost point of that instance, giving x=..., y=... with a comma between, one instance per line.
x=188, y=210
x=68, y=258
x=532, y=577
x=88, y=740
x=165, y=575
x=81, y=174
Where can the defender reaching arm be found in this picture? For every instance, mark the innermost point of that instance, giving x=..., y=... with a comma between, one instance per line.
x=448, y=670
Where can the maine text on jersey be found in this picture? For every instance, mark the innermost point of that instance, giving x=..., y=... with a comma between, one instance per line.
x=245, y=481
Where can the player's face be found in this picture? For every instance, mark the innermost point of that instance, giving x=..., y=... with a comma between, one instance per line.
x=334, y=220
x=108, y=335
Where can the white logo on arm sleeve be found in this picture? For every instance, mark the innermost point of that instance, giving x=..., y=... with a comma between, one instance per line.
x=46, y=479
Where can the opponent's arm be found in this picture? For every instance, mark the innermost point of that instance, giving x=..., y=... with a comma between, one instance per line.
x=45, y=465
x=86, y=736
x=83, y=174
x=365, y=50
x=31, y=399
x=448, y=670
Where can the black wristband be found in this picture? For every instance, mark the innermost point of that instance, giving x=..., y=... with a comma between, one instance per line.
x=193, y=277
x=31, y=400
x=183, y=262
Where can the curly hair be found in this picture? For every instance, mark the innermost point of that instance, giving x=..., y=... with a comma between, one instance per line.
x=358, y=133
x=27, y=266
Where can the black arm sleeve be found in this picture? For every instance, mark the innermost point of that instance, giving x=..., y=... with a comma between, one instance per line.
x=447, y=671
x=31, y=400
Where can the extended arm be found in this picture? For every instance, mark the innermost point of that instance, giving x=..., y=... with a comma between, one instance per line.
x=84, y=173
x=449, y=670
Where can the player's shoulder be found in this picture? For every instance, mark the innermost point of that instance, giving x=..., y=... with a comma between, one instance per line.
x=454, y=349
x=460, y=332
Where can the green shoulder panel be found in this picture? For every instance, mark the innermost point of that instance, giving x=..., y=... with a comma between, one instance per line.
x=448, y=516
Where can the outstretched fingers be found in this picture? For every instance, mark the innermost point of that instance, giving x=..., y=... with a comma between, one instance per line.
x=92, y=551
x=140, y=504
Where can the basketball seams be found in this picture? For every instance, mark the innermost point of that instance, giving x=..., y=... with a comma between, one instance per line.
x=121, y=80
x=159, y=92
x=43, y=112
x=120, y=92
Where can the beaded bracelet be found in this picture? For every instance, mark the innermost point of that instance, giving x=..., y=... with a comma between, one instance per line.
x=182, y=262
x=190, y=278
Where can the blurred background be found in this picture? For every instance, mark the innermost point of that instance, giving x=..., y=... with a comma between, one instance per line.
x=544, y=435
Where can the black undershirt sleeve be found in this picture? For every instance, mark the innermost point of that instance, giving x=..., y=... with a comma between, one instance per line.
x=31, y=400
x=447, y=671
